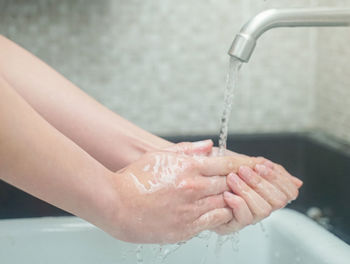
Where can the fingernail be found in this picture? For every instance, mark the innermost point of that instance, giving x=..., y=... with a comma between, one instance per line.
x=202, y=144
x=261, y=169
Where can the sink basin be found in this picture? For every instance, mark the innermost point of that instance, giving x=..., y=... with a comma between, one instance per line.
x=287, y=237
x=313, y=158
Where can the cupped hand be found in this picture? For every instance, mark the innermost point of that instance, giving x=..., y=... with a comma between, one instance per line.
x=256, y=192
x=169, y=196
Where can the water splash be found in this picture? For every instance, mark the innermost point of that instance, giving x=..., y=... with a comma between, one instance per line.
x=235, y=241
x=263, y=230
x=167, y=250
x=206, y=235
x=139, y=255
x=220, y=241
x=231, y=83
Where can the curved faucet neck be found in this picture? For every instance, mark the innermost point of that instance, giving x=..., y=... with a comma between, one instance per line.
x=245, y=41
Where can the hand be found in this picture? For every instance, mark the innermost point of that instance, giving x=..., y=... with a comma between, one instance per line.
x=169, y=196
x=257, y=192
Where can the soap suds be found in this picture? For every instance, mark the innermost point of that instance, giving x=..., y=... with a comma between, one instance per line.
x=165, y=171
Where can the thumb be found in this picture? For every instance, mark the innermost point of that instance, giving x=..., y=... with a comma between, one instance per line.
x=193, y=148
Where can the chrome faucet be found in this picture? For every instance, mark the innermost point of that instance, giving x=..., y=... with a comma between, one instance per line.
x=245, y=41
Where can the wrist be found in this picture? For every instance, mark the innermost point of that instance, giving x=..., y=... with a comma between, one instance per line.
x=102, y=203
x=115, y=207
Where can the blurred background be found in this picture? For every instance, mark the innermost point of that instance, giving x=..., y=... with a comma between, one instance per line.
x=163, y=64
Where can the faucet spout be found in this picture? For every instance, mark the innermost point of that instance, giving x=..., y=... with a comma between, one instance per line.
x=245, y=41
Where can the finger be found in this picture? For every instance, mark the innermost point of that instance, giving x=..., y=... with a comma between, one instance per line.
x=193, y=148
x=223, y=165
x=199, y=187
x=283, y=183
x=216, y=151
x=212, y=220
x=257, y=205
x=297, y=182
x=241, y=215
x=213, y=185
x=276, y=198
x=281, y=170
x=267, y=163
x=208, y=204
x=284, y=172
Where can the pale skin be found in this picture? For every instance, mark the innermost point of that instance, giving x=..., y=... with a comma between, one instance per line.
x=62, y=146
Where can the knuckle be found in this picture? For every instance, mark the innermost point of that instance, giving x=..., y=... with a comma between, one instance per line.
x=189, y=187
x=270, y=175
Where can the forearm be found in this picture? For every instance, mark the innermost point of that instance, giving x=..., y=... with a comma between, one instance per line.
x=37, y=158
x=110, y=139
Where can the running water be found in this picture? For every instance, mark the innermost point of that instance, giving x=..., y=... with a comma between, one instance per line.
x=231, y=83
x=161, y=252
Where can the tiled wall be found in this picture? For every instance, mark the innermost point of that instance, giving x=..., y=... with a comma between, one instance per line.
x=162, y=64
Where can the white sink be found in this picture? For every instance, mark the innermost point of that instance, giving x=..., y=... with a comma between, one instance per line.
x=289, y=237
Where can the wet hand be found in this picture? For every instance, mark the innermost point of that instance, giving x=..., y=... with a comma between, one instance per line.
x=169, y=196
x=256, y=192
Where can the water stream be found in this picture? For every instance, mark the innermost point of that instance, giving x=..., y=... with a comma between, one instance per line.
x=231, y=83
x=231, y=86
x=161, y=252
